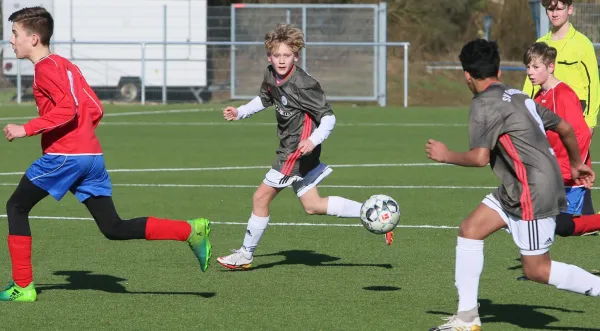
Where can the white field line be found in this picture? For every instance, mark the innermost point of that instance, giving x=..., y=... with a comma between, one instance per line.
x=198, y=110
x=133, y=113
x=368, y=165
x=62, y=218
x=398, y=187
x=434, y=187
x=273, y=124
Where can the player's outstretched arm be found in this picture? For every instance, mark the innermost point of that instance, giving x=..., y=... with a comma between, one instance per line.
x=230, y=113
x=439, y=152
x=13, y=131
x=582, y=174
x=254, y=106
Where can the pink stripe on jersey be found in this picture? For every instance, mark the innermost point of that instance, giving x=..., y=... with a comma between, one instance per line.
x=526, y=202
x=292, y=158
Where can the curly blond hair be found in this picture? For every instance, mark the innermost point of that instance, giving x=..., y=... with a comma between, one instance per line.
x=286, y=34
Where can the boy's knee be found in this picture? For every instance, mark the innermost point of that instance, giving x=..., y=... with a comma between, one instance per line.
x=536, y=274
x=536, y=270
x=111, y=233
x=467, y=231
x=311, y=210
x=565, y=226
x=14, y=206
x=260, y=199
x=110, y=229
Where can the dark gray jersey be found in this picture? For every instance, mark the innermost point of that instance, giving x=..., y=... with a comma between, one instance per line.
x=513, y=127
x=300, y=103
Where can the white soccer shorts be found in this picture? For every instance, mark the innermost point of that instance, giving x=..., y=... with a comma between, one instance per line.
x=300, y=185
x=532, y=237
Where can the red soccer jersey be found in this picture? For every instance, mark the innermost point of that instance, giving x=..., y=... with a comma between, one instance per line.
x=563, y=101
x=69, y=110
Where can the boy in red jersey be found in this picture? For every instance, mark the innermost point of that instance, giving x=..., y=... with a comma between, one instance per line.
x=557, y=96
x=69, y=112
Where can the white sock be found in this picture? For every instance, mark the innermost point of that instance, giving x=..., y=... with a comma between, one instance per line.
x=254, y=231
x=468, y=316
x=341, y=207
x=572, y=278
x=469, y=265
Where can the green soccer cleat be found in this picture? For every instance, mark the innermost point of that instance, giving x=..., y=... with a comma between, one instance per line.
x=199, y=241
x=14, y=292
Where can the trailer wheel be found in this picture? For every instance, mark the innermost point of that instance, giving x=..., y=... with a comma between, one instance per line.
x=129, y=89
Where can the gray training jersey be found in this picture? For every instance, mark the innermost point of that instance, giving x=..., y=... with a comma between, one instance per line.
x=513, y=127
x=300, y=104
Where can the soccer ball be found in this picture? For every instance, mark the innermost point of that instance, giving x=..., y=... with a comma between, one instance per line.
x=380, y=214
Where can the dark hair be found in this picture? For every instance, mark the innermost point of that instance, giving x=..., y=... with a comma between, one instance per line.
x=35, y=20
x=552, y=4
x=480, y=58
x=542, y=51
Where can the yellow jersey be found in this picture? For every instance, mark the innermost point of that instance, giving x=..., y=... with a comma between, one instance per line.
x=576, y=65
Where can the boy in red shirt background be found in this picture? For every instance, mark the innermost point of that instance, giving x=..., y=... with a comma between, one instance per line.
x=557, y=96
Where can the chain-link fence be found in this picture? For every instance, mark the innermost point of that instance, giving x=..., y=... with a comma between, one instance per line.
x=179, y=51
x=586, y=19
x=337, y=67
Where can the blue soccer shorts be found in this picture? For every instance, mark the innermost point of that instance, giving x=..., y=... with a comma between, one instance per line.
x=84, y=175
x=575, y=196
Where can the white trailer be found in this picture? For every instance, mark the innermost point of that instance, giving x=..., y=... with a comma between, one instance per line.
x=117, y=68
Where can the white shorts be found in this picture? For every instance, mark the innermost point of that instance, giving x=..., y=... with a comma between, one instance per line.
x=300, y=185
x=532, y=237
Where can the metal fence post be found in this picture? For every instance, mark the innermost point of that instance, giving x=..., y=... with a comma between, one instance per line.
x=164, y=87
x=544, y=22
x=19, y=81
x=405, y=75
x=303, y=61
x=143, y=74
x=382, y=60
x=71, y=28
x=232, y=54
x=376, y=51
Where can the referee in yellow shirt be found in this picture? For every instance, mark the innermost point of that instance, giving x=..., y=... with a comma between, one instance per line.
x=576, y=65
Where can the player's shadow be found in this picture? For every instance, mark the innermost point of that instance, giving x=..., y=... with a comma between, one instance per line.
x=380, y=288
x=312, y=259
x=86, y=280
x=517, y=267
x=521, y=316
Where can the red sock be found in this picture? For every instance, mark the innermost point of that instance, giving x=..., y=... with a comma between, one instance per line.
x=20, y=256
x=586, y=223
x=164, y=229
